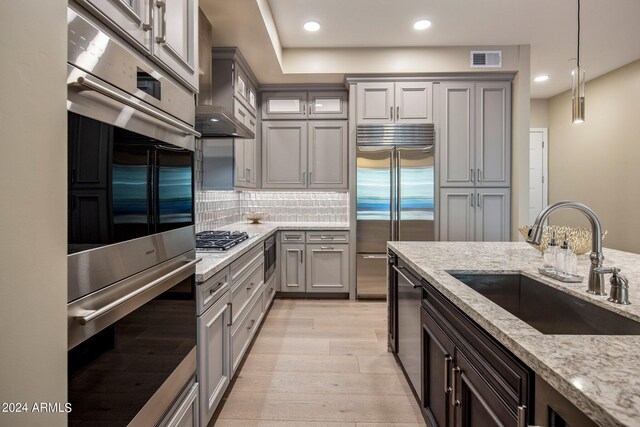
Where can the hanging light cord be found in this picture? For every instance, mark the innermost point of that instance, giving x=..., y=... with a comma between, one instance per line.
x=578, y=34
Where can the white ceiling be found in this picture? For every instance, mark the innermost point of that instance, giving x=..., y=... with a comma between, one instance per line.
x=610, y=31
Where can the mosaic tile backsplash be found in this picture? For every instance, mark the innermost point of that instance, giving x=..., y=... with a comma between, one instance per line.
x=219, y=208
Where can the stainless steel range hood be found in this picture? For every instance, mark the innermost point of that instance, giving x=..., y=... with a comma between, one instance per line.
x=217, y=122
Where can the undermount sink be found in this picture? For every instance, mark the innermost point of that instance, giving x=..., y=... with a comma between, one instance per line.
x=547, y=309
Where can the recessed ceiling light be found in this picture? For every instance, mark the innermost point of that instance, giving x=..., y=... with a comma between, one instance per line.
x=311, y=26
x=213, y=120
x=542, y=78
x=422, y=24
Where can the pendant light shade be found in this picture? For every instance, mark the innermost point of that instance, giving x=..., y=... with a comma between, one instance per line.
x=577, y=84
x=577, y=94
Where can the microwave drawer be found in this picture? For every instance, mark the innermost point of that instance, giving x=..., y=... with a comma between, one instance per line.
x=328, y=236
x=242, y=292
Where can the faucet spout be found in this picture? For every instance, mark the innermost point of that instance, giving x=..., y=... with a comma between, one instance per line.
x=596, y=280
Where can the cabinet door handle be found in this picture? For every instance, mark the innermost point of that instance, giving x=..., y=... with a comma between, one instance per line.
x=447, y=361
x=149, y=26
x=479, y=175
x=454, y=402
x=398, y=112
x=250, y=286
x=478, y=200
x=310, y=178
x=230, y=313
x=304, y=108
x=391, y=112
x=162, y=4
x=522, y=416
x=253, y=321
x=473, y=176
x=471, y=199
x=301, y=255
x=326, y=247
x=247, y=174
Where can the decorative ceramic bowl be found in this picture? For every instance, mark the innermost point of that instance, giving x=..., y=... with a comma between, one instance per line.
x=255, y=217
x=579, y=237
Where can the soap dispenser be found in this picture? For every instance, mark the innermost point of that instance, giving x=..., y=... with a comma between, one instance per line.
x=568, y=259
x=550, y=255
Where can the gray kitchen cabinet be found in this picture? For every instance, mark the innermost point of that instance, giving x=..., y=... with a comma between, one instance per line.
x=245, y=164
x=214, y=368
x=187, y=413
x=287, y=105
x=165, y=31
x=328, y=154
x=234, y=84
x=475, y=214
x=327, y=268
x=175, y=38
x=292, y=267
x=493, y=134
x=414, y=102
x=457, y=149
x=394, y=102
x=328, y=105
x=475, y=134
x=284, y=161
x=457, y=214
x=129, y=18
x=375, y=103
x=493, y=215
x=243, y=330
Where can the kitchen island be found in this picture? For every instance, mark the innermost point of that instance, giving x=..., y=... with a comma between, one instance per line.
x=598, y=374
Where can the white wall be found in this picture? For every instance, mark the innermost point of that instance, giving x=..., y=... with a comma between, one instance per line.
x=33, y=168
x=596, y=162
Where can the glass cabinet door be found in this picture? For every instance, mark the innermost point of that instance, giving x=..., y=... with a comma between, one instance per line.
x=284, y=105
x=328, y=105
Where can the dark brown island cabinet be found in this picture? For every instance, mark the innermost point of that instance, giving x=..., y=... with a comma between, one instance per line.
x=467, y=378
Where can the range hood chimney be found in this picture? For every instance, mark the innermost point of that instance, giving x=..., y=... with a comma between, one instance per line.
x=213, y=119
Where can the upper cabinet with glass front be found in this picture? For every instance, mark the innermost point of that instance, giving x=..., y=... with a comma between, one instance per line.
x=164, y=30
x=292, y=105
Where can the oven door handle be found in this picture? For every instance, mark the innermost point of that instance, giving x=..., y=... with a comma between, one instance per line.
x=109, y=93
x=91, y=315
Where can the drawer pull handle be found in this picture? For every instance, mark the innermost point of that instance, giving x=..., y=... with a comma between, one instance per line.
x=292, y=237
x=214, y=290
x=230, y=314
x=327, y=237
x=454, y=402
x=271, y=290
x=251, y=324
x=326, y=247
x=522, y=416
x=447, y=361
x=250, y=286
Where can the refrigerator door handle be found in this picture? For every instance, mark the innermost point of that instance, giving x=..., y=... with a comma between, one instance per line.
x=392, y=199
x=398, y=195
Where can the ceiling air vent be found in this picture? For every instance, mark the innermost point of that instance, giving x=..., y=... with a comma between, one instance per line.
x=486, y=58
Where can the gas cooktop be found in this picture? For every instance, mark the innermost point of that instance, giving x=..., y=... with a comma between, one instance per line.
x=219, y=241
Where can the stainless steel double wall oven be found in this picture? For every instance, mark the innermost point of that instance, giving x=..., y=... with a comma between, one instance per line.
x=131, y=299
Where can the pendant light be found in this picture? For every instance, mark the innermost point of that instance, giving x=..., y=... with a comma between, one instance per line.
x=577, y=84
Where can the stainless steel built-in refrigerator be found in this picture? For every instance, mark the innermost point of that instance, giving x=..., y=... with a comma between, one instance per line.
x=395, y=196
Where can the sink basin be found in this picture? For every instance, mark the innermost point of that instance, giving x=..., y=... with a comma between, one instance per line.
x=547, y=309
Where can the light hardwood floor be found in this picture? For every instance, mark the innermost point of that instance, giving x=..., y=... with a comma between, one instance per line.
x=320, y=363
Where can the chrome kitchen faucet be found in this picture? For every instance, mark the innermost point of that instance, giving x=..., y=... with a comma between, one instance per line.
x=596, y=276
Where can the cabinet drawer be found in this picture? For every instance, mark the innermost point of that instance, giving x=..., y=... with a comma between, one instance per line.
x=269, y=291
x=292, y=236
x=507, y=376
x=212, y=289
x=242, y=113
x=242, y=292
x=241, y=267
x=328, y=236
x=244, y=330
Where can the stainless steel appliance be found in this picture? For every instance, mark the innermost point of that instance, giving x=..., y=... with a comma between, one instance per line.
x=218, y=240
x=408, y=292
x=395, y=186
x=269, y=257
x=131, y=263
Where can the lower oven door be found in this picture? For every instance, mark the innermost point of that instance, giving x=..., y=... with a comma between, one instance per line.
x=132, y=347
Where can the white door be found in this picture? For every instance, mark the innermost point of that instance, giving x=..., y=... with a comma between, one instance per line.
x=538, y=163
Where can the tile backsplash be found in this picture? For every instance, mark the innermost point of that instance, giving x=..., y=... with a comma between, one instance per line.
x=219, y=208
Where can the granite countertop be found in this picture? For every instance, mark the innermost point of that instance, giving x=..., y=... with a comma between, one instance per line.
x=212, y=262
x=598, y=374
